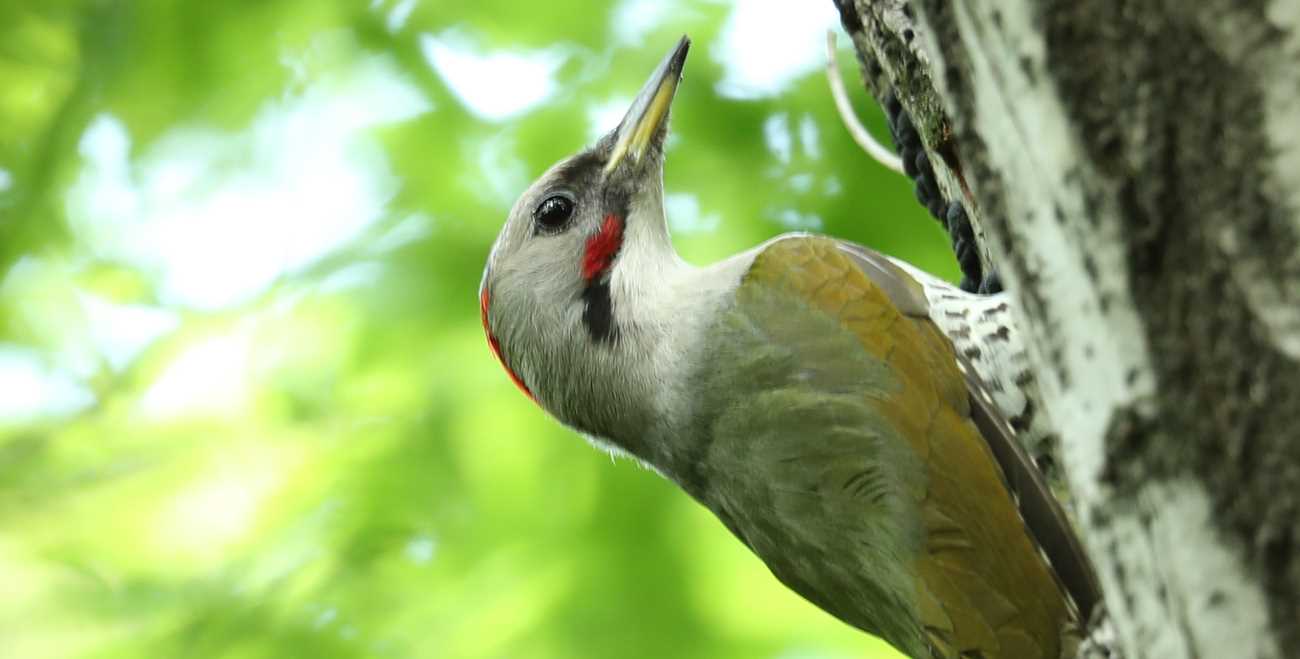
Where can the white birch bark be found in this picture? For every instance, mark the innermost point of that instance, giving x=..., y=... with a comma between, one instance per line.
x=1134, y=171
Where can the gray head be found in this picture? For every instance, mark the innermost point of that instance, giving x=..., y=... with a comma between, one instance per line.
x=566, y=284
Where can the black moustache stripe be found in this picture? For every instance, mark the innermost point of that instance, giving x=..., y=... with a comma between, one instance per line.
x=598, y=312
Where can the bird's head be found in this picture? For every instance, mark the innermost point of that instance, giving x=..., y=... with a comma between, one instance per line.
x=564, y=294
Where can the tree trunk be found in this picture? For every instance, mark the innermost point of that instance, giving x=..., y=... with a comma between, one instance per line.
x=1133, y=169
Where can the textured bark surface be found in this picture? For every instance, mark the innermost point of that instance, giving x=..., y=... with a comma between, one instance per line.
x=1134, y=171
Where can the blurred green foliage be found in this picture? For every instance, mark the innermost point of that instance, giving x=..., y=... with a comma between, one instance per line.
x=248, y=410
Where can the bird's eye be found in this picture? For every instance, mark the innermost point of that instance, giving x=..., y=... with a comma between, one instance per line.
x=553, y=213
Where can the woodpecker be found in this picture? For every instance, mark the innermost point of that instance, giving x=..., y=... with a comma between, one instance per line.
x=819, y=398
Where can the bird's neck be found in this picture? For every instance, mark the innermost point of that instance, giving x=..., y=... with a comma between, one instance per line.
x=665, y=308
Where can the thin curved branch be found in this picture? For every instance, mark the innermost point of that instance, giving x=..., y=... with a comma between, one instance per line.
x=878, y=152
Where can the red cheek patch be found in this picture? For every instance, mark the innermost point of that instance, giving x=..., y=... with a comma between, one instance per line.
x=602, y=247
x=496, y=347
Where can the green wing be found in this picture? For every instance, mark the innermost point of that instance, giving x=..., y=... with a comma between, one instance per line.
x=843, y=454
x=1048, y=522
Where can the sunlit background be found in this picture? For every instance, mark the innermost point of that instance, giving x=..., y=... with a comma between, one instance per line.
x=246, y=406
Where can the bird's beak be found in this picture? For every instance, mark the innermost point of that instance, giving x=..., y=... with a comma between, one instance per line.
x=645, y=122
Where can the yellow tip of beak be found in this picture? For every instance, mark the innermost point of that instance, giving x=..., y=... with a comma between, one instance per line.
x=649, y=110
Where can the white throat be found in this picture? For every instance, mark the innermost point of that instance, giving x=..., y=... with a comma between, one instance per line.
x=664, y=307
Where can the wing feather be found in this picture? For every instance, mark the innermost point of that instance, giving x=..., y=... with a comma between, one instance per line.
x=1043, y=514
x=848, y=459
